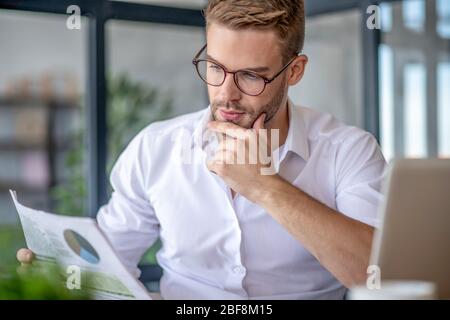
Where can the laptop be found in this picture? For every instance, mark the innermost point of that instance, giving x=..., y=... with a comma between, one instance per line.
x=413, y=242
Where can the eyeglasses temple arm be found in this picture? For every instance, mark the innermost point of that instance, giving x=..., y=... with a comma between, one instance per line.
x=198, y=54
x=281, y=71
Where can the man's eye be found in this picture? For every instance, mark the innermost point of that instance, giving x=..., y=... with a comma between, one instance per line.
x=215, y=68
x=250, y=76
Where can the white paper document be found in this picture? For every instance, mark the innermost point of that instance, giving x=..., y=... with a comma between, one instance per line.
x=78, y=241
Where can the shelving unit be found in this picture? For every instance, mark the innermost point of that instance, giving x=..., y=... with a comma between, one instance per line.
x=34, y=135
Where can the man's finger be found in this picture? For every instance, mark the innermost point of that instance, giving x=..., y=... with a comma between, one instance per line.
x=25, y=255
x=259, y=123
x=230, y=129
x=212, y=166
x=221, y=125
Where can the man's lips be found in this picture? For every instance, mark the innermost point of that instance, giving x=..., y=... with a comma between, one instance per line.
x=230, y=114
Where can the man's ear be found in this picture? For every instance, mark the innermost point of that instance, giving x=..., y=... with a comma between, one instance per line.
x=297, y=69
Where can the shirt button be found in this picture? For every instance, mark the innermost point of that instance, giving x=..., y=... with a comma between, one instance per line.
x=239, y=269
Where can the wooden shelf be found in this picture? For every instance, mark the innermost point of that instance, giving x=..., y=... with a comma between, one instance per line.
x=19, y=146
x=38, y=103
x=14, y=146
x=50, y=143
x=21, y=187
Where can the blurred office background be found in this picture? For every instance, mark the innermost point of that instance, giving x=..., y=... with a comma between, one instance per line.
x=70, y=100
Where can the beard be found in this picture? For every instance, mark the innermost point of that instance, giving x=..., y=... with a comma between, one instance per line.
x=249, y=116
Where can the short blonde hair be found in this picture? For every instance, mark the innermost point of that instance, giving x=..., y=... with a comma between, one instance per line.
x=287, y=17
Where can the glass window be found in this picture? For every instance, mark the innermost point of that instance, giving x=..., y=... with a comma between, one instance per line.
x=414, y=14
x=412, y=80
x=42, y=87
x=150, y=66
x=387, y=101
x=386, y=17
x=335, y=67
x=444, y=109
x=443, y=24
x=415, y=111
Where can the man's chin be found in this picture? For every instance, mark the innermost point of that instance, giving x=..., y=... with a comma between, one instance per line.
x=238, y=123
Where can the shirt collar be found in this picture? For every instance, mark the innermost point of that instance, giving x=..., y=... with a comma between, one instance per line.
x=200, y=135
x=296, y=140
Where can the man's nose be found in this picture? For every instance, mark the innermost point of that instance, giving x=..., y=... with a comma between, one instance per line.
x=229, y=90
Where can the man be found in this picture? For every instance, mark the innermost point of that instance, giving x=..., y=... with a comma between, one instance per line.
x=227, y=230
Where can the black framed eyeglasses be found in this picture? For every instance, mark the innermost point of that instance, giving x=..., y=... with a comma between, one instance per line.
x=249, y=82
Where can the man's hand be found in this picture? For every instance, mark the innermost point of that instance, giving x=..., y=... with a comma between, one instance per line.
x=242, y=159
x=25, y=256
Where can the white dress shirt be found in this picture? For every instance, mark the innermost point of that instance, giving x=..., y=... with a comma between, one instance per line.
x=218, y=247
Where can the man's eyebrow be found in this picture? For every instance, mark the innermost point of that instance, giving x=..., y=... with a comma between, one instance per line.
x=256, y=69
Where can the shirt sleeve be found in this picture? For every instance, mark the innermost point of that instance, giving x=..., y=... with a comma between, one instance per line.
x=360, y=169
x=128, y=219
